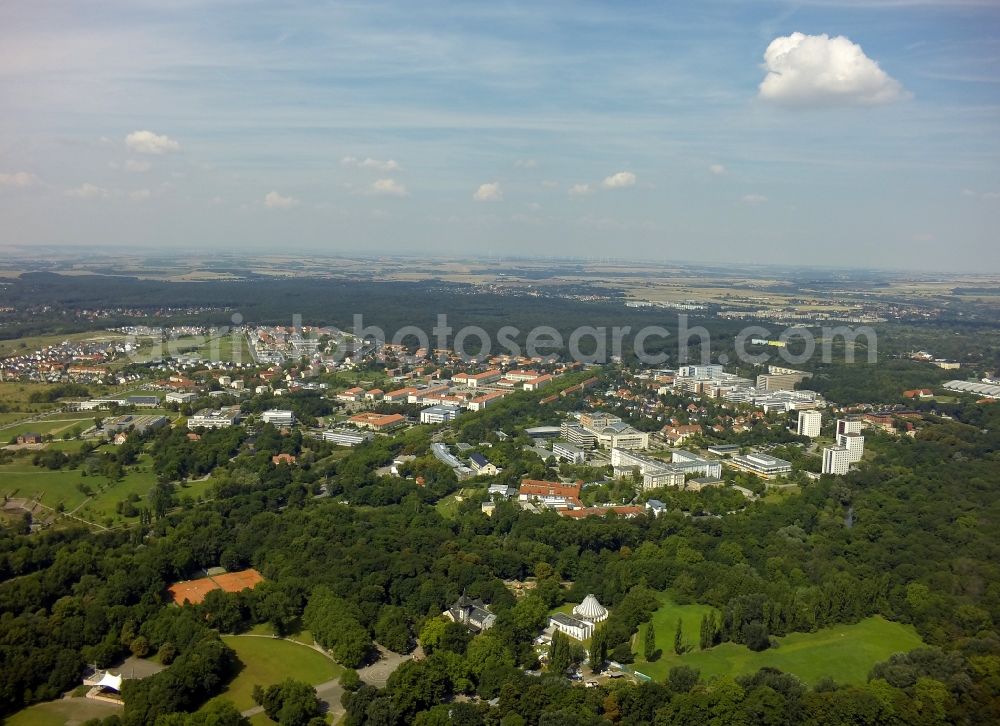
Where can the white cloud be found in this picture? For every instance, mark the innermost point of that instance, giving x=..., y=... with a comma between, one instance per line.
x=489, y=192
x=274, y=200
x=581, y=190
x=620, y=180
x=753, y=199
x=370, y=163
x=534, y=206
x=89, y=191
x=137, y=165
x=717, y=169
x=526, y=164
x=389, y=188
x=817, y=70
x=146, y=142
x=139, y=195
x=980, y=195
x=19, y=179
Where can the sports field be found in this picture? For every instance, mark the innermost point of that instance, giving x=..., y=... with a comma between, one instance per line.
x=266, y=661
x=845, y=653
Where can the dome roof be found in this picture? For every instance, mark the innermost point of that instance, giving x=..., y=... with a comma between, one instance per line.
x=590, y=609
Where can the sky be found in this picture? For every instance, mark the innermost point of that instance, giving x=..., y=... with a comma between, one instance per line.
x=847, y=133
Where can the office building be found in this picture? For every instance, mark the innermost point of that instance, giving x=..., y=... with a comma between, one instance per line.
x=346, y=437
x=210, y=419
x=763, y=465
x=568, y=452
x=278, y=417
x=439, y=414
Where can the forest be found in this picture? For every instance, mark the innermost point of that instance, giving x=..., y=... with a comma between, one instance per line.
x=373, y=561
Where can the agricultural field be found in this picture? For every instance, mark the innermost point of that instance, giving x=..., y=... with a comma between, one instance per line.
x=266, y=661
x=845, y=653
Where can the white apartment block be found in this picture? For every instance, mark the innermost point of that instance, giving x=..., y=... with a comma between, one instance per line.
x=854, y=443
x=809, y=423
x=836, y=460
x=848, y=426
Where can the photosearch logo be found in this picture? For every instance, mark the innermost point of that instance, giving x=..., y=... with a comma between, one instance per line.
x=649, y=345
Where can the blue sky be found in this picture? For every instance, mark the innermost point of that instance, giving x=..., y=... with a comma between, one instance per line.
x=628, y=129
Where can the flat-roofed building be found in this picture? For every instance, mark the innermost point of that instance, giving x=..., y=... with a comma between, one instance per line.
x=278, y=417
x=763, y=465
x=576, y=628
x=439, y=414
x=180, y=397
x=578, y=435
x=849, y=426
x=598, y=419
x=836, y=460
x=136, y=423
x=208, y=418
x=809, y=423
x=346, y=437
x=568, y=452
x=854, y=443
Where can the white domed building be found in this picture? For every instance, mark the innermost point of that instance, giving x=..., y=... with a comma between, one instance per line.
x=591, y=610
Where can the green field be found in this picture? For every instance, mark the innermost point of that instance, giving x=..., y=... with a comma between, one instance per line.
x=665, y=624
x=266, y=661
x=21, y=478
x=67, y=711
x=208, y=348
x=845, y=653
x=448, y=506
x=57, y=425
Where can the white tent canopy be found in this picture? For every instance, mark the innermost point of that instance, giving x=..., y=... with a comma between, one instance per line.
x=591, y=609
x=110, y=681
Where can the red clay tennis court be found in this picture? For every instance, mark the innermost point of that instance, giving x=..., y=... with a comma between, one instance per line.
x=236, y=581
x=194, y=591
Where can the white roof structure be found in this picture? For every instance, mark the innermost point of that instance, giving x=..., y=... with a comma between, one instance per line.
x=591, y=610
x=110, y=681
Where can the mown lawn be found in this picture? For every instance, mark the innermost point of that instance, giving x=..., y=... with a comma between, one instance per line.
x=845, y=653
x=52, y=487
x=23, y=479
x=65, y=711
x=266, y=661
x=665, y=625
x=55, y=425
